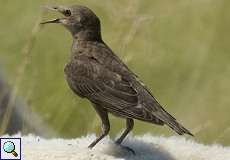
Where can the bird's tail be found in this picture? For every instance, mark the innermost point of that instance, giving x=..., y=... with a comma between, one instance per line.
x=169, y=120
x=178, y=128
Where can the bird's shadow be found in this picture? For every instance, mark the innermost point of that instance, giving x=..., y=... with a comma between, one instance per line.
x=143, y=151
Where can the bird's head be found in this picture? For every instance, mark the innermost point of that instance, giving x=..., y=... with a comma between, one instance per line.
x=79, y=20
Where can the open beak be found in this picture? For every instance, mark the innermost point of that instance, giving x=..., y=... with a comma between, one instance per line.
x=54, y=8
x=51, y=21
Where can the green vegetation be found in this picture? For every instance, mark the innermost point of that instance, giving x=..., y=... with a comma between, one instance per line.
x=180, y=49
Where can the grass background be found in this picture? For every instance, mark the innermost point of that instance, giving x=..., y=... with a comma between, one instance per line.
x=180, y=49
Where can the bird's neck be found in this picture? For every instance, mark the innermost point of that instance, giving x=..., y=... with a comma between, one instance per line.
x=87, y=35
x=80, y=45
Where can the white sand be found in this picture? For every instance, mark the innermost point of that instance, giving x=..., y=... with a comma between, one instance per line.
x=147, y=147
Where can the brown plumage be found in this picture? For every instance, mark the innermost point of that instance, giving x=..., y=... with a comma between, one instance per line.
x=96, y=73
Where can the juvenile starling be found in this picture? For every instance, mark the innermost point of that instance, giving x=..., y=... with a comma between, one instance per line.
x=96, y=73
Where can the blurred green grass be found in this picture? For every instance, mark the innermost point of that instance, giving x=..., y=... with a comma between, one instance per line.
x=180, y=49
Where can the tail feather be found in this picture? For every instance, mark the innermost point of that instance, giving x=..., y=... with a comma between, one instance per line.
x=179, y=128
x=171, y=122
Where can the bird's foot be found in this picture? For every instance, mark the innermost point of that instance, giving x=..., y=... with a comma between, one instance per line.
x=127, y=148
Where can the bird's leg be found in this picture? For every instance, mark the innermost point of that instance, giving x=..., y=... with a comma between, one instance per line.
x=103, y=114
x=129, y=127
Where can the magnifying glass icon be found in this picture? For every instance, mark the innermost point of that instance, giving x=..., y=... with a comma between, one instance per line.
x=9, y=147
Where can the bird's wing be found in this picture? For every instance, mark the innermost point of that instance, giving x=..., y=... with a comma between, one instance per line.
x=147, y=103
x=95, y=82
x=111, y=90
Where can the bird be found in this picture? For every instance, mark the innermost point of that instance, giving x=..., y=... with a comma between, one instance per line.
x=96, y=73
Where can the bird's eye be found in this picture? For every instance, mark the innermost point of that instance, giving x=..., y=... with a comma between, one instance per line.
x=67, y=13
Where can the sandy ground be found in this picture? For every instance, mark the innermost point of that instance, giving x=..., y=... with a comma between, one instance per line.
x=147, y=147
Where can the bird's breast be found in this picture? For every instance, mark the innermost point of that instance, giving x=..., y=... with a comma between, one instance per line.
x=70, y=72
x=67, y=69
x=70, y=77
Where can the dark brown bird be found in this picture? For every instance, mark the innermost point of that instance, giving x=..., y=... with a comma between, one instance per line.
x=96, y=73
